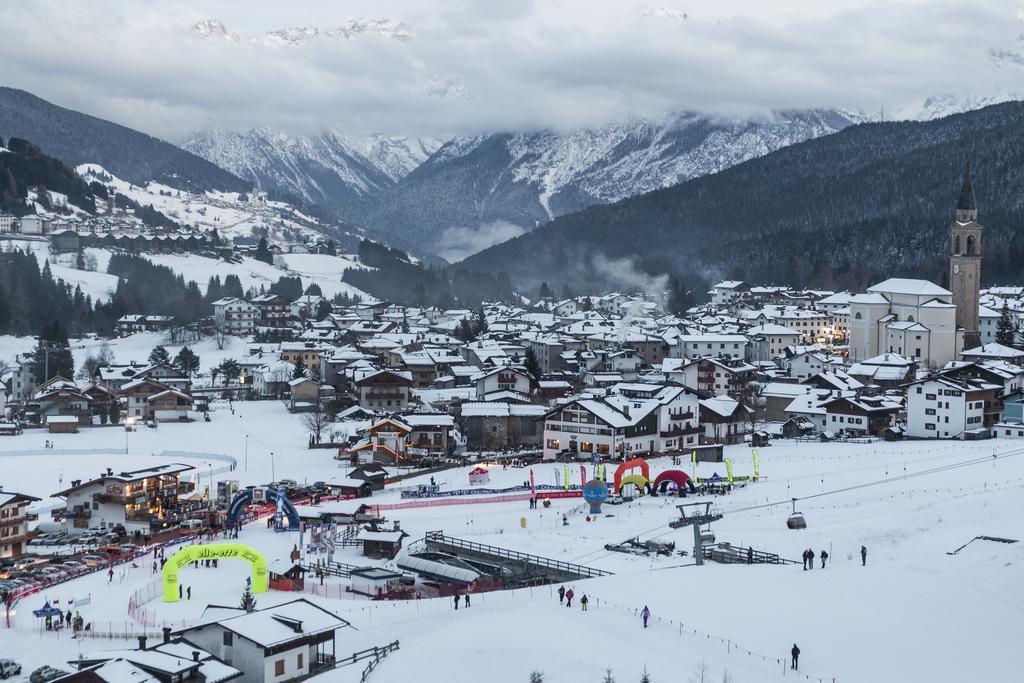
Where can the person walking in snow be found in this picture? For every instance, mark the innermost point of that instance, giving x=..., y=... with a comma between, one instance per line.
x=824, y=556
x=796, y=658
x=180, y=591
x=568, y=597
x=810, y=559
x=583, y=602
x=467, y=600
x=189, y=592
x=561, y=594
x=805, y=560
x=863, y=556
x=645, y=615
x=457, y=596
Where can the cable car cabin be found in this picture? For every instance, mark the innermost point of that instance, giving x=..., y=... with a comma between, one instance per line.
x=796, y=521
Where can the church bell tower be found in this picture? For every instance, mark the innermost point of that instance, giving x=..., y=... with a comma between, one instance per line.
x=965, y=261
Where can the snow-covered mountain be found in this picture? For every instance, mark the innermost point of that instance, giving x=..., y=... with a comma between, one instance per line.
x=938, y=106
x=293, y=36
x=475, y=186
x=330, y=169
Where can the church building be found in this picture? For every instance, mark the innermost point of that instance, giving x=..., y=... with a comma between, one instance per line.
x=921, y=320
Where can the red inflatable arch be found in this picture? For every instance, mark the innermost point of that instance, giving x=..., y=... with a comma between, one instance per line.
x=635, y=463
x=678, y=477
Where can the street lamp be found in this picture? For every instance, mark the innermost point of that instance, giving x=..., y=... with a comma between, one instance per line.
x=273, y=477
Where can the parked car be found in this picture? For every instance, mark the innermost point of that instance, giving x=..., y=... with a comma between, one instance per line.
x=8, y=668
x=44, y=674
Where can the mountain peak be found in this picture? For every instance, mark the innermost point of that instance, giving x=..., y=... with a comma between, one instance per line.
x=295, y=36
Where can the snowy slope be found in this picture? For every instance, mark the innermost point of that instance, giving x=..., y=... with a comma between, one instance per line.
x=938, y=106
x=332, y=169
x=914, y=613
x=225, y=212
x=525, y=179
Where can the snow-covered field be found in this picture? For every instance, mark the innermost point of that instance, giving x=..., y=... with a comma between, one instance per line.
x=913, y=613
x=134, y=348
x=321, y=269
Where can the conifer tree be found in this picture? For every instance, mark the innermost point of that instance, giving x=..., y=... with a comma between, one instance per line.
x=248, y=599
x=1005, y=333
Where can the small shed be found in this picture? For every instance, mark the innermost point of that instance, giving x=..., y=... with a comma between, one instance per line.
x=350, y=487
x=373, y=582
x=479, y=475
x=381, y=545
x=62, y=424
x=371, y=472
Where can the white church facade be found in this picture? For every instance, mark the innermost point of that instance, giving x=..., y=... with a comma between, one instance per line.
x=913, y=318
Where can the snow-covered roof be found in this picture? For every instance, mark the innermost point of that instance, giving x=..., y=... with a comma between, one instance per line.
x=283, y=623
x=897, y=285
x=416, y=420
x=722, y=405
x=381, y=536
x=993, y=350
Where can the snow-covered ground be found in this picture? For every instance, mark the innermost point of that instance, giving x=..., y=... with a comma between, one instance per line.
x=321, y=269
x=913, y=613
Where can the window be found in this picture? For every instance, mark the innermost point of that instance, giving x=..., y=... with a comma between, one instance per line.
x=228, y=637
x=930, y=426
x=299, y=661
x=279, y=667
x=929, y=397
x=929, y=411
x=919, y=390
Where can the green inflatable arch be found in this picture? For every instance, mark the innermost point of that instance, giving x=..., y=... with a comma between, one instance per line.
x=215, y=551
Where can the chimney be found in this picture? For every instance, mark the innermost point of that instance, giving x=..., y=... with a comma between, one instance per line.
x=167, y=634
x=142, y=642
x=195, y=655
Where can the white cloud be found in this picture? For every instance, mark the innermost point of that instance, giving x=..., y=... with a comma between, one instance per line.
x=459, y=243
x=473, y=66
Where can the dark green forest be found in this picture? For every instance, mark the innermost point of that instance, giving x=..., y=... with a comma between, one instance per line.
x=842, y=211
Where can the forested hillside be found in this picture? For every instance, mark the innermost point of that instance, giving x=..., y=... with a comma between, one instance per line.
x=871, y=201
x=77, y=138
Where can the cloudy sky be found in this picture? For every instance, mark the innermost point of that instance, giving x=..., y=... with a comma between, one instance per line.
x=437, y=67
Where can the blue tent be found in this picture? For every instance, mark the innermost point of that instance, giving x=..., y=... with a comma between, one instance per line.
x=47, y=610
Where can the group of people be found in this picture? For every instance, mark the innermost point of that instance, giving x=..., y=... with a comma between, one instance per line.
x=809, y=559
x=458, y=597
x=76, y=622
x=568, y=595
